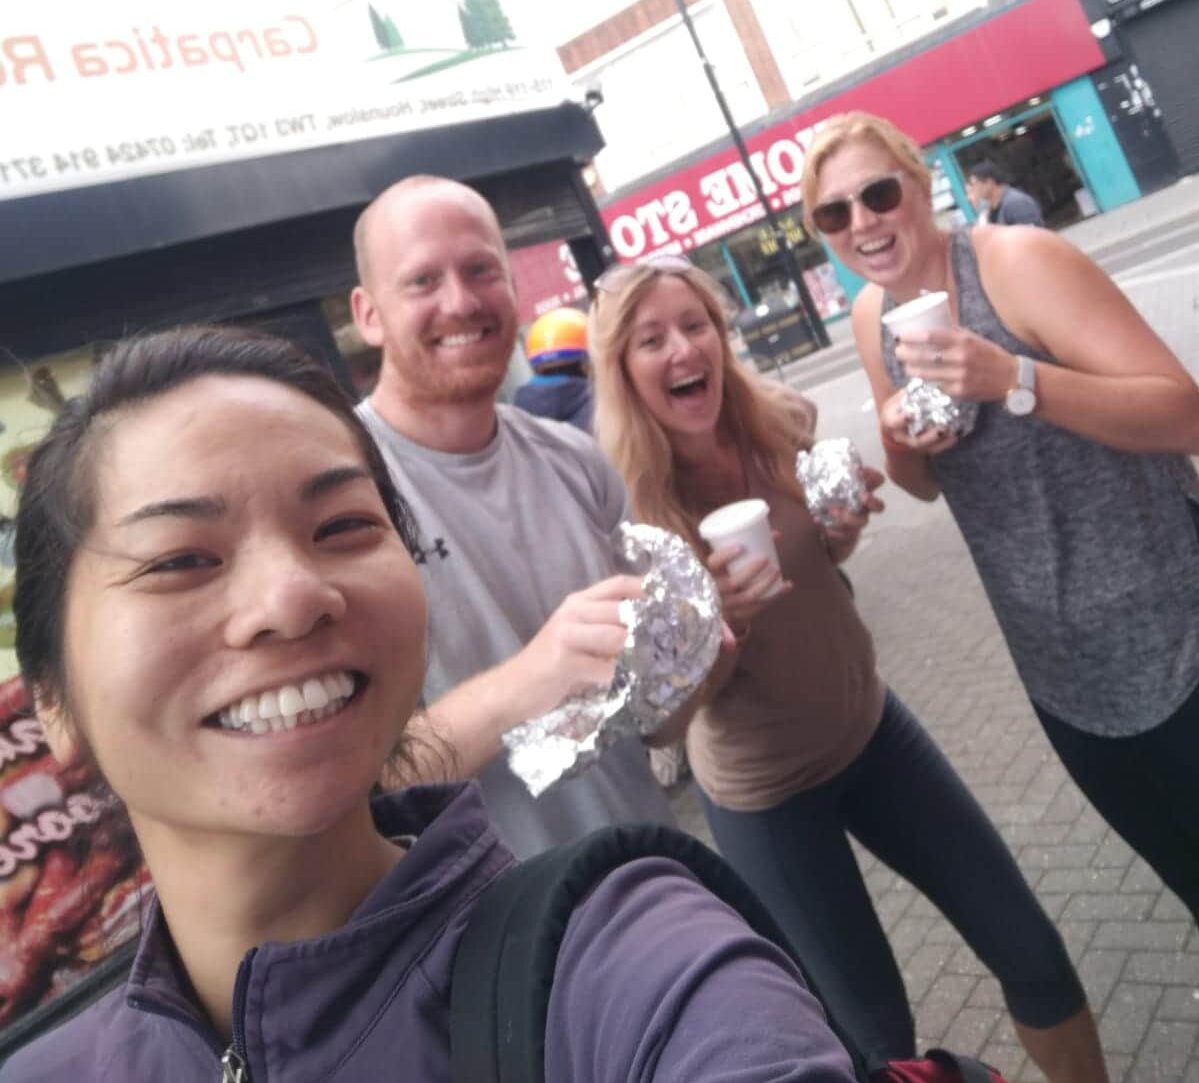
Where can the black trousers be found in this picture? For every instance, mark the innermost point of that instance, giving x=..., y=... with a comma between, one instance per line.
x=905, y=803
x=1146, y=787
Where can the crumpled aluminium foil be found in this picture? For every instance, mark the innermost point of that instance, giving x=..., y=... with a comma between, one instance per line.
x=832, y=479
x=673, y=640
x=926, y=406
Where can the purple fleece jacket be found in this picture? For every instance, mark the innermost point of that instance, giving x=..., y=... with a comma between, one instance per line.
x=657, y=980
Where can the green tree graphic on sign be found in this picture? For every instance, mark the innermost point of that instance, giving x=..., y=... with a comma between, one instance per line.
x=386, y=33
x=484, y=23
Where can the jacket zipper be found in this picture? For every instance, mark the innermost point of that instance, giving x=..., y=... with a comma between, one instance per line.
x=234, y=1068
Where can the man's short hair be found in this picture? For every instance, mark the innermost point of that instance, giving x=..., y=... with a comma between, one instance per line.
x=987, y=170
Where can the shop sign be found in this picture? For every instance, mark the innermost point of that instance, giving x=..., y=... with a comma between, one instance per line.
x=93, y=93
x=546, y=277
x=1016, y=54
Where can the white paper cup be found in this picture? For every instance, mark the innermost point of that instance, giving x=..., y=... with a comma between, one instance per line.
x=926, y=312
x=745, y=523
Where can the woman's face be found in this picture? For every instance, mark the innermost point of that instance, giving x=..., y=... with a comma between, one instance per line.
x=881, y=248
x=245, y=631
x=675, y=360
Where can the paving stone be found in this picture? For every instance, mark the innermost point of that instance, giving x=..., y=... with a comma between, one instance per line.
x=1165, y=1053
x=1078, y=936
x=964, y=961
x=970, y=1030
x=1127, y=1017
x=1179, y=1004
x=1168, y=968
x=1113, y=853
x=923, y=966
x=1092, y=880
x=1099, y=972
x=987, y=994
x=941, y=1004
x=1169, y=907
x=1150, y=936
x=908, y=935
x=1140, y=877
x=1119, y=1067
x=1110, y=907
x=1057, y=857
x=1088, y=828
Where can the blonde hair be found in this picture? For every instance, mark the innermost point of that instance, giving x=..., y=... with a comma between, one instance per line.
x=633, y=439
x=845, y=128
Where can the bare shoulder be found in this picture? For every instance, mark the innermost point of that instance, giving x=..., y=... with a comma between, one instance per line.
x=1021, y=266
x=1024, y=254
x=864, y=316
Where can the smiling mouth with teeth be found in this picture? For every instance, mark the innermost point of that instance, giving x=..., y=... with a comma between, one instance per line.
x=872, y=248
x=465, y=338
x=688, y=386
x=289, y=705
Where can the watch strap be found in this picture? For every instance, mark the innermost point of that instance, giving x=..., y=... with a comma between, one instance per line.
x=1026, y=372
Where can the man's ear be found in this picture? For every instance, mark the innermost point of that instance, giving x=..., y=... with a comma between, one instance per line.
x=366, y=316
x=61, y=733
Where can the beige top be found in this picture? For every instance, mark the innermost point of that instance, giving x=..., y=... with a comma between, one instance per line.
x=805, y=697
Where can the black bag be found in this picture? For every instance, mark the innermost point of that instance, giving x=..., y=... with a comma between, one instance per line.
x=504, y=966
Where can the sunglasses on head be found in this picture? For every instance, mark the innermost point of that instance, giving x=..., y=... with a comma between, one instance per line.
x=614, y=278
x=880, y=196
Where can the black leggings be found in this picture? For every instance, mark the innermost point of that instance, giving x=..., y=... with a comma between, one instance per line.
x=1146, y=787
x=904, y=802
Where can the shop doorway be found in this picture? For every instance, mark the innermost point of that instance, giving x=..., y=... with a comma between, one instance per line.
x=1032, y=152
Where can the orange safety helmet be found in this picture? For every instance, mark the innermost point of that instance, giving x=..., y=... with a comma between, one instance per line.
x=558, y=335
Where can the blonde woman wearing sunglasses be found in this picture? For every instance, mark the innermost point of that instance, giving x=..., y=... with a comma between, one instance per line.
x=1074, y=491
x=799, y=743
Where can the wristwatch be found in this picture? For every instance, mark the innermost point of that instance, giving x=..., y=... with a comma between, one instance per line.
x=1022, y=399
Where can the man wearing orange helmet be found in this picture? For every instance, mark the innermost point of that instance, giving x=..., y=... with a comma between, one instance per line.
x=557, y=349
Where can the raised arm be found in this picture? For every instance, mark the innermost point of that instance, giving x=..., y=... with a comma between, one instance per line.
x=1116, y=381
x=658, y=980
x=576, y=649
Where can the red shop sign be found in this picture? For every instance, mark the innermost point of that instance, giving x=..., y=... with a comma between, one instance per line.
x=1010, y=57
x=546, y=277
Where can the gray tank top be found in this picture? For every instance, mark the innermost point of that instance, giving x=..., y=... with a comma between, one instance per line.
x=1090, y=556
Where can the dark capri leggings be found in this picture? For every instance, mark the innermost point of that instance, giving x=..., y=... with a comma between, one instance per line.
x=904, y=802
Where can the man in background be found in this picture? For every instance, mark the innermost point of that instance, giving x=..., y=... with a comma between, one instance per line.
x=999, y=202
x=560, y=389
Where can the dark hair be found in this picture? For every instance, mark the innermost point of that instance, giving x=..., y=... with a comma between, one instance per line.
x=987, y=170
x=57, y=505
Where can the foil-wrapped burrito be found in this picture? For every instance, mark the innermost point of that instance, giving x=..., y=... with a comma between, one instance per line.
x=673, y=639
x=926, y=406
x=832, y=479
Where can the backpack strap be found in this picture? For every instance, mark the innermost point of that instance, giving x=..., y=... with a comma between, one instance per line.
x=504, y=966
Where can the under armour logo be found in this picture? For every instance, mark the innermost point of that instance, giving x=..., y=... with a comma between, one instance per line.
x=421, y=555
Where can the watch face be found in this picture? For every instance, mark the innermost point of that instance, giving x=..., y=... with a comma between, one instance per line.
x=1021, y=401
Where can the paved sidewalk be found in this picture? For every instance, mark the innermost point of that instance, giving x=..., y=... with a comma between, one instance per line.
x=939, y=646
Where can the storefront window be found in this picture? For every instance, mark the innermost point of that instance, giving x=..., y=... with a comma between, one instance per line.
x=751, y=268
x=1029, y=148
x=70, y=878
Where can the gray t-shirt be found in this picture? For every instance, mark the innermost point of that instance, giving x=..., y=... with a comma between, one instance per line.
x=1017, y=208
x=505, y=535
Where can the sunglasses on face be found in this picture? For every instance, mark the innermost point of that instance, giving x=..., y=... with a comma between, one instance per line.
x=614, y=278
x=880, y=196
